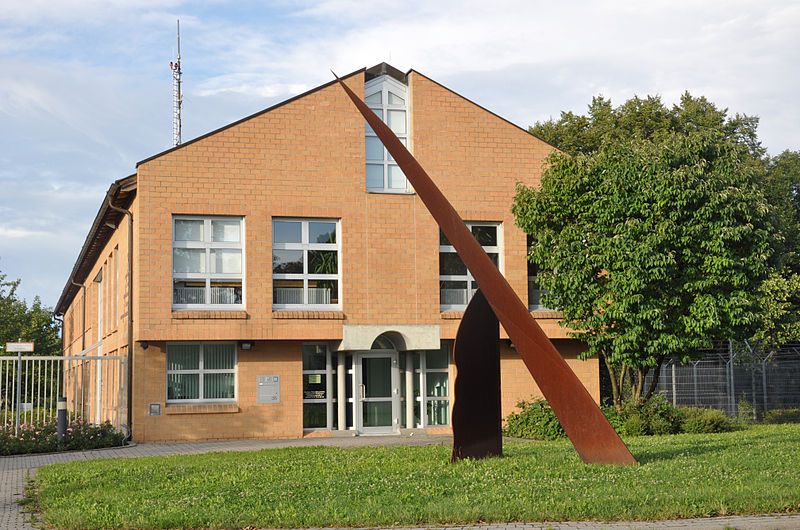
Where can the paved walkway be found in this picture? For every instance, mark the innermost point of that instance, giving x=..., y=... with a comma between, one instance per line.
x=14, y=471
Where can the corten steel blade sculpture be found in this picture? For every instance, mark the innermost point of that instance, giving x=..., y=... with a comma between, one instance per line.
x=476, y=412
x=585, y=425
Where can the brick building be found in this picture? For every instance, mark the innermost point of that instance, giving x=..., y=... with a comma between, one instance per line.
x=286, y=281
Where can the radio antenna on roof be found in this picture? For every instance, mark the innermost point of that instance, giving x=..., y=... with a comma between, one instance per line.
x=177, y=96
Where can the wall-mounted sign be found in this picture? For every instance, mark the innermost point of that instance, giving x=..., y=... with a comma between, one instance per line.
x=15, y=347
x=268, y=389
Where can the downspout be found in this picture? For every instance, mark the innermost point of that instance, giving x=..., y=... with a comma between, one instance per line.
x=130, y=309
x=83, y=315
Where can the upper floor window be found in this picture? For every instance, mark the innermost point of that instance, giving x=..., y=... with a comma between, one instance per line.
x=305, y=263
x=535, y=293
x=456, y=285
x=386, y=97
x=207, y=262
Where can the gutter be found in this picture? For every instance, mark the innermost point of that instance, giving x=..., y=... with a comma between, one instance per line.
x=130, y=303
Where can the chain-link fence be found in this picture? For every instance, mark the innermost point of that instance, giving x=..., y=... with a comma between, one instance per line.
x=733, y=373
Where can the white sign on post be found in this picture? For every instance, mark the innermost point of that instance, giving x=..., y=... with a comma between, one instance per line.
x=14, y=347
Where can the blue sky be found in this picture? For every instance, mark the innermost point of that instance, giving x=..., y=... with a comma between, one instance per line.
x=86, y=89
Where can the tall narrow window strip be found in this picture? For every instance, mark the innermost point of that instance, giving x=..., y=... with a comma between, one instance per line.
x=208, y=263
x=387, y=98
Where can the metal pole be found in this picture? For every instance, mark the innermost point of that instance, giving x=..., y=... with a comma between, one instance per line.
x=19, y=392
x=62, y=420
x=694, y=382
x=674, y=386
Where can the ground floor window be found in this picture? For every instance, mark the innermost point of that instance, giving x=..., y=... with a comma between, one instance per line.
x=430, y=370
x=201, y=372
x=319, y=388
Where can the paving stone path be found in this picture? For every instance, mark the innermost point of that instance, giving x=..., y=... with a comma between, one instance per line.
x=14, y=471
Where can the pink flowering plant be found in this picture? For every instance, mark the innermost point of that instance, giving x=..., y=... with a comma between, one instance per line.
x=43, y=438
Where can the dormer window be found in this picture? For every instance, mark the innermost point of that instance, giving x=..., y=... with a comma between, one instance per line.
x=387, y=97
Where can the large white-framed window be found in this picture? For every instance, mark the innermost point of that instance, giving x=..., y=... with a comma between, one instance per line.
x=319, y=388
x=207, y=262
x=456, y=285
x=387, y=97
x=201, y=372
x=306, y=264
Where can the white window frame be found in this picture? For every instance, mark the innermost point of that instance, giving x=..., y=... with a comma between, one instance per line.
x=533, y=285
x=329, y=374
x=306, y=276
x=498, y=249
x=384, y=84
x=421, y=374
x=207, y=277
x=201, y=371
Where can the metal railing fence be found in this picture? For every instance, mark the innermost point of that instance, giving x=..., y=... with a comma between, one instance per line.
x=95, y=388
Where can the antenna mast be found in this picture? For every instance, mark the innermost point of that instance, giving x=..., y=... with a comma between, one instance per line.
x=177, y=97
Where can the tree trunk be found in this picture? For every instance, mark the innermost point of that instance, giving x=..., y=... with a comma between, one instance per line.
x=656, y=374
x=613, y=376
x=637, y=390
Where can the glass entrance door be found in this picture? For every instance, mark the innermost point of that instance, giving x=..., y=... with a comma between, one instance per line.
x=377, y=392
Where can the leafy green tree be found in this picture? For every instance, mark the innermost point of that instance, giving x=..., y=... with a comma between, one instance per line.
x=30, y=324
x=651, y=244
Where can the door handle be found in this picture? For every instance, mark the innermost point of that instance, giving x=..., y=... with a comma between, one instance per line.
x=362, y=390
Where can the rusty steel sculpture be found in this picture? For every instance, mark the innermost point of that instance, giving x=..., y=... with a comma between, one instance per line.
x=476, y=411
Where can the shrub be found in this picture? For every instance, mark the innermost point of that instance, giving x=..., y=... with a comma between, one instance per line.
x=535, y=419
x=744, y=415
x=781, y=416
x=698, y=420
x=634, y=425
x=653, y=416
x=614, y=418
x=43, y=438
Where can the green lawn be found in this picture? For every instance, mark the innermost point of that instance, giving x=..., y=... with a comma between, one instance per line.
x=745, y=472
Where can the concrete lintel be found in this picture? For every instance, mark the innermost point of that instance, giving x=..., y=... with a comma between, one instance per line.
x=404, y=336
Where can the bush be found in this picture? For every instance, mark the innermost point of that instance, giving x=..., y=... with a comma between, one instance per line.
x=653, y=416
x=698, y=420
x=535, y=419
x=781, y=416
x=43, y=438
x=744, y=415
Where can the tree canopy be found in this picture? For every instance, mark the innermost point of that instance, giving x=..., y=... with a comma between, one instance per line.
x=652, y=231
x=34, y=324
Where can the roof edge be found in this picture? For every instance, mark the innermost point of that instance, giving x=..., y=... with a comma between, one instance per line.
x=251, y=116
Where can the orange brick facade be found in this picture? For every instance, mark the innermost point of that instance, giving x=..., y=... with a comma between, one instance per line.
x=305, y=159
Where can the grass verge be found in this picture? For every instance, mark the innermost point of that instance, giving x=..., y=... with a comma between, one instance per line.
x=687, y=475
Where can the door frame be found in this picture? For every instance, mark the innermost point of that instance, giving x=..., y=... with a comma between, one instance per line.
x=358, y=391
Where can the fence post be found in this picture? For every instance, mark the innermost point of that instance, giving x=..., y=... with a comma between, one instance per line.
x=674, y=386
x=62, y=420
x=694, y=382
x=19, y=393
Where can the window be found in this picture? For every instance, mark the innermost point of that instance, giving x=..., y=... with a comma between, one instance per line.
x=535, y=294
x=201, y=372
x=435, y=368
x=456, y=285
x=387, y=98
x=319, y=388
x=207, y=262
x=305, y=263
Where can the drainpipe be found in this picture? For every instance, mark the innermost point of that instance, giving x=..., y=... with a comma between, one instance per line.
x=130, y=308
x=83, y=315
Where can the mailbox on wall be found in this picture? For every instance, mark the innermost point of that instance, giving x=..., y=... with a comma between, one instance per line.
x=269, y=389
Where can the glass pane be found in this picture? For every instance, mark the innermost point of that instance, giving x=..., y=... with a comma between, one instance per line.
x=314, y=357
x=219, y=386
x=436, y=384
x=287, y=232
x=314, y=386
x=321, y=232
x=494, y=257
x=287, y=292
x=402, y=141
x=183, y=386
x=438, y=411
x=450, y=264
x=374, y=99
x=315, y=415
x=397, y=121
x=183, y=356
x=219, y=356
x=452, y=293
x=394, y=99
x=486, y=235
x=377, y=414
x=437, y=358
x=226, y=292
x=374, y=148
x=287, y=261
x=188, y=230
x=443, y=239
x=225, y=231
x=376, y=376
x=397, y=180
x=184, y=292
x=323, y=261
x=227, y=261
x=375, y=176
x=323, y=292
x=188, y=260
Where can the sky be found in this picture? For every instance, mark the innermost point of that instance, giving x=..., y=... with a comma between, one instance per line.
x=86, y=88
